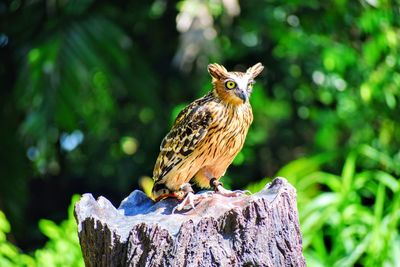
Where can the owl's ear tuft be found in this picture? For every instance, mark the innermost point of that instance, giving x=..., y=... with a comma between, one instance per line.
x=255, y=70
x=217, y=71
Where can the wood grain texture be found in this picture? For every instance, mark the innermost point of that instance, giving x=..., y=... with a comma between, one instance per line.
x=257, y=230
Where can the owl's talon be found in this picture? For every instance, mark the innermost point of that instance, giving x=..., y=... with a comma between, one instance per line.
x=189, y=201
x=215, y=183
x=186, y=188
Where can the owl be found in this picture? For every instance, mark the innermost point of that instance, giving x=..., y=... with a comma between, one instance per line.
x=205, y=138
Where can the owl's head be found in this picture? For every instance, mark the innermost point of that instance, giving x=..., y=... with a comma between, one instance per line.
x=233, y=87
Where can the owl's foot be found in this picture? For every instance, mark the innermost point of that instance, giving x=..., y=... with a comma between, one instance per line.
x=190, y=200
x=225, y=192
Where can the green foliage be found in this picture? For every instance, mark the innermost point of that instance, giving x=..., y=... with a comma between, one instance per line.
x=62, y=248
x=9, y=254
x=347, y=219
x=342, y=65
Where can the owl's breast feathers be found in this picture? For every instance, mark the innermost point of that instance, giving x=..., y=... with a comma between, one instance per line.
x=207, y=132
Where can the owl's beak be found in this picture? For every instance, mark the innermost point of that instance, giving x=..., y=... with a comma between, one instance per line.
x=242, y=95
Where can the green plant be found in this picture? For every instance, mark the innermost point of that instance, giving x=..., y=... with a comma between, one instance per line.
x=62, y=248
x=10, y=254
x=347, y=219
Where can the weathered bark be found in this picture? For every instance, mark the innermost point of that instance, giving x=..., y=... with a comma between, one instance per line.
x=257, y=230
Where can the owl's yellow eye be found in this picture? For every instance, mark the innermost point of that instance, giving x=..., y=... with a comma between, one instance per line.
x=230, y=84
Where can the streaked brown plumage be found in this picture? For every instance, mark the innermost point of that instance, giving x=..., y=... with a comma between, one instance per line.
x=206, y=135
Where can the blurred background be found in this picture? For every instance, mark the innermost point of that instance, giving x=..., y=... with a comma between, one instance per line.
x=90, y=88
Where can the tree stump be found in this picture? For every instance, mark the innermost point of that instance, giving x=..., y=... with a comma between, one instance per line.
x=257, y=230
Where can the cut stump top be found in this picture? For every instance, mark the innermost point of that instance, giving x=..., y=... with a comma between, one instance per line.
x=261, y=230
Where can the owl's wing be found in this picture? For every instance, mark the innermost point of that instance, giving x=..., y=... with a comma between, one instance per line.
x=189, y=129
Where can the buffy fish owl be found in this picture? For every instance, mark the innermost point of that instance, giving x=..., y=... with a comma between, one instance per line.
x=206, y=137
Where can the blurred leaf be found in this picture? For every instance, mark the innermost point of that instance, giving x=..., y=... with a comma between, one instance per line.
x=348, y=173
x=303, y=166
x=4, y=225
x=380, y=157
x=77, y=6
x=49, y=228
x=146, y=183
x=351, y=259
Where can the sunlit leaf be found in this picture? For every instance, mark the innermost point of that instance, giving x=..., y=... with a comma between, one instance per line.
x=348, y=172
